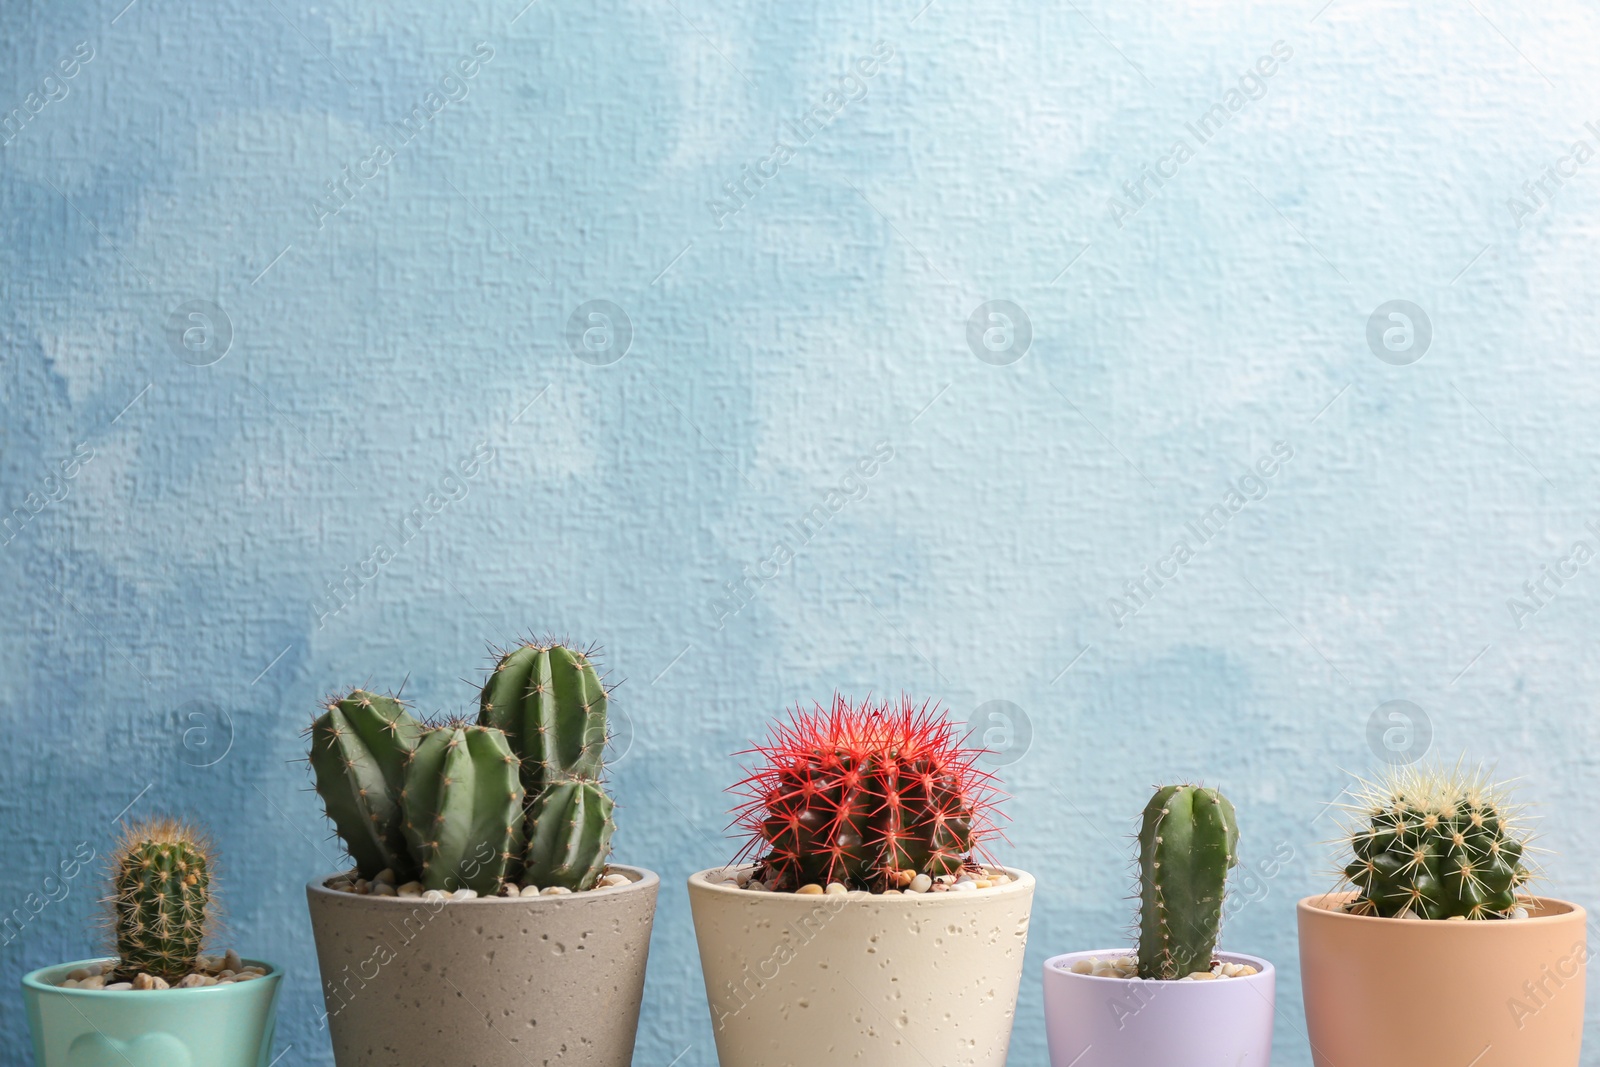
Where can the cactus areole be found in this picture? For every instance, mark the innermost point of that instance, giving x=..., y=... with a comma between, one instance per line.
x=860, y=793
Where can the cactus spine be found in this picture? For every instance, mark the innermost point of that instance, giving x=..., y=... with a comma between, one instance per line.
x=161, y=892
x=1436, y=845
x=551, y=703
x=360, y=747
x=1187, y=843
x=462, y=804
x=863, y=794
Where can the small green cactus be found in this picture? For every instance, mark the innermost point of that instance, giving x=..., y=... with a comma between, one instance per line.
x=462, y=804
x=550, y=702
x=161, y=896
x=1187, y=844
x=569, y=836
x=360, y=748
x=1432, y=844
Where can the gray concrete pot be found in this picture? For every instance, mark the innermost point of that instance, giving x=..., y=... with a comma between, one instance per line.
x=492, y=982
x=862, y=979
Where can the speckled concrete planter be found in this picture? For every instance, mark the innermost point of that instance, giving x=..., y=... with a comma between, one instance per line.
x=212, y=1026
x=495, y=982
x=890, y=981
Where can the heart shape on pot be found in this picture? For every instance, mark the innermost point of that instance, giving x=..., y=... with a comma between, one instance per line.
x=147, y=1050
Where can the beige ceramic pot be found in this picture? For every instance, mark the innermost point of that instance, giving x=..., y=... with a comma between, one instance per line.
x=1418, y=993
x=494, y=982
x=861, y=978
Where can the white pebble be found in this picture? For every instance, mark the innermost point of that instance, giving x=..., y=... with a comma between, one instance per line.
x=69, y=983
x=965, y=887
x=616, y=879
x=555, y=891
x=836, y=889
x=1083, y=967
x=410, y=889
x=232, y=962
x=245, y=977
x=383, y=889
x=94, y=981
x=920, y=884
x=756, y=886
x=191, y=981
x=385, y=875
x=464, y=894
x=435, y=894
x=1519, y=913
x=81, y=973
x=530, y=890
x=119, y=986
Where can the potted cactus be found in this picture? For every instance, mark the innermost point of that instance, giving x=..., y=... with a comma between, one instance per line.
x=481, y=922
x=867, y=927
x=1434, y=914
x=1175, y=999
x=159, y=1002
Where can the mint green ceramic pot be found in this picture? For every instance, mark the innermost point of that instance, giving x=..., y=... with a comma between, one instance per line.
x=209, y=1026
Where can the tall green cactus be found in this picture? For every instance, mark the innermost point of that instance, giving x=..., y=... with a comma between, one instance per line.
x=161, y=892
x=551, y=704
x=360, y=747
x=462, y=804
x=569, y=835
x=1187, y=843
x=1436, y=845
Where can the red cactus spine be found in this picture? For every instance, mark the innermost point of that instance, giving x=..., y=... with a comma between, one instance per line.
x=858, y=794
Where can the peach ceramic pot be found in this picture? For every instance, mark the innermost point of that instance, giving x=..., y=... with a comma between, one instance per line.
x=1123, y=1022
x=861, y=978
x=491, y=982
x=1414, y=992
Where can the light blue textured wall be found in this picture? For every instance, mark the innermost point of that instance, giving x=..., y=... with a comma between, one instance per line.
x=167, y=627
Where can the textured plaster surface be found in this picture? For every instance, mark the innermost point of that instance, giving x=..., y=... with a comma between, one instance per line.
x=170, y=614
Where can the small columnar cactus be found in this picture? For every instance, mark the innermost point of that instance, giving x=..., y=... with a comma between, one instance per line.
x=866, y=795
x=1432, y=844
x=462, y=804
x=161, y=896
x=550, y=702
x=360, y=748
x=1187, y=844
x=569, y=835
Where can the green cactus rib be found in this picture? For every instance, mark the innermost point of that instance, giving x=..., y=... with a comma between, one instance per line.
x=360, y=747
x=549, y=701
x=569, y=836
x=1187, y=843
x=161, y=886
x=1436, y=846
x=462, y=807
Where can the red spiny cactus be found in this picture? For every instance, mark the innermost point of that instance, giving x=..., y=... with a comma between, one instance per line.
x=860, y=793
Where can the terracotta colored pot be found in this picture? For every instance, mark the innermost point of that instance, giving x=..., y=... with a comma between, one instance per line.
x=492, y=982
x=861, y=978
x=1413, y=992
x=1119, y=1022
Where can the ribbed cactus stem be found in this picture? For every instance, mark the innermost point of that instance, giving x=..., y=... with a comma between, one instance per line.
x=161, y=892
x=1187, y=843
x=462, y=805
x=865, y=795
x=551, y=704
x=360, y=747
x=1436, y=845
x=569, y=836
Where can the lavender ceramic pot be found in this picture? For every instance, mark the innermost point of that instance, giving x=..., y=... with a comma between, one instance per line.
x=1114, y=1022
